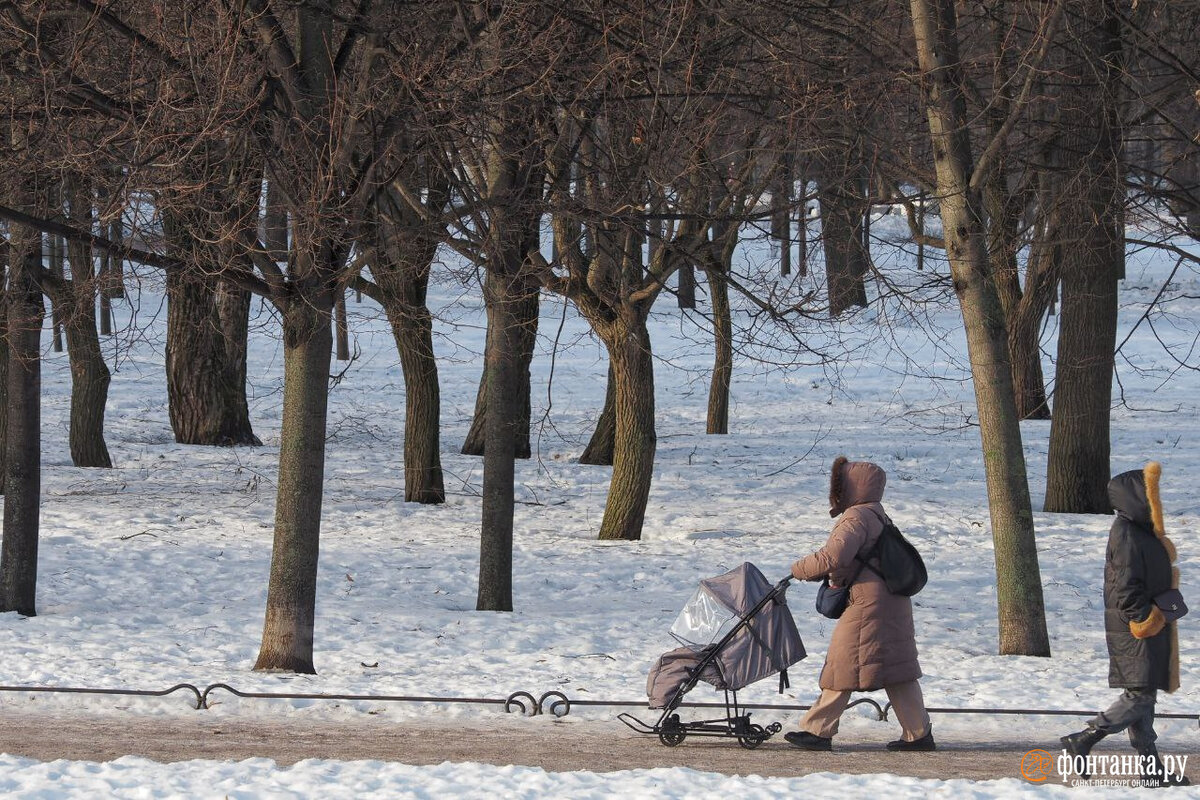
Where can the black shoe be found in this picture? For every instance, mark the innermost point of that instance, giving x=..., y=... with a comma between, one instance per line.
x=807, y=741
x=1080, y=744
x=924, y=744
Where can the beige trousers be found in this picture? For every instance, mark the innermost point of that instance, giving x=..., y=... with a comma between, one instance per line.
x=906, y=699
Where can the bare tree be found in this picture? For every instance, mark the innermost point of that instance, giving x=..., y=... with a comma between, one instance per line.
x=1018, y=579
x=1093, y=242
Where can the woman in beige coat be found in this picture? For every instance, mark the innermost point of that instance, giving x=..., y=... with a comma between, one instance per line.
x=874, y=645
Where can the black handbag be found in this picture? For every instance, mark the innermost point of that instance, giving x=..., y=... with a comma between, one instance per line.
x=832, y=600
x=1170, y=603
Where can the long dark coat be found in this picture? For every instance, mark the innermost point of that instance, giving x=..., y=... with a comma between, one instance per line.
x=1137, y=567
x=874, y=644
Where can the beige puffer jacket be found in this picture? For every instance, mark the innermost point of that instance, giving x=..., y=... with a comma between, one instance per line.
x=874, y=644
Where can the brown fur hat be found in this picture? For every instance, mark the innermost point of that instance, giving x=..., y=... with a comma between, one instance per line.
x=835, y=486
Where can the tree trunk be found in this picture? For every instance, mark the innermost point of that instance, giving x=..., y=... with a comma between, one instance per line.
x=687, y=286
x=841, y=240
x=1022, y=618
x=113, y=286
x=635, y=441
x=6, y=253
x=23, y=446
x=403, y=288
x=287, y=640
x=342, y=326
x=506, y=300
x=802, y=225
x=526, y=308
x=57, y=254
x=233, y=309
x=422, y=411
x=1077, y=470
x=722, y=375
x=206, y=401
x=90, y=377
x=599, y=450
x=1023, y=309
x=207, y=325
x=1024, y=333
x=506, y=424
x=781, y=213
x=276, y=224
x=89, y=393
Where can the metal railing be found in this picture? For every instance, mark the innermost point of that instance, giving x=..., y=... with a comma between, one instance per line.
x=553, y=702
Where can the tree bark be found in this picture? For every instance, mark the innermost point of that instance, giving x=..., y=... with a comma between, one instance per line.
x=526, y=309
x=1093, y=233
x=1024, y=309
x=401, y=271
x=841, y=239
x=503, y=368
x=1022, y=619
x=206, y=350
x=23, y=445
x=422, y=410
x=90, y=376
x=342, y=325
x=635, y=440
x=686, y=291
x=1024, y=335
x=6, y=253
x=57, y=256
x=75, y=303
x=233, y=309
x=287, y=640
x=276, y=224
x=722, y=375
x=599, y=450
x=781, y=213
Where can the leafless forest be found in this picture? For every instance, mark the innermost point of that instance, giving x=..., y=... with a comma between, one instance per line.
x=611, y=153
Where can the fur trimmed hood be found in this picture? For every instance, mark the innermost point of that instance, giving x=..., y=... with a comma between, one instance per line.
x=1135, y=496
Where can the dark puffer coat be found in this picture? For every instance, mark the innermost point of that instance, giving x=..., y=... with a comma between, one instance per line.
x=1137, y=567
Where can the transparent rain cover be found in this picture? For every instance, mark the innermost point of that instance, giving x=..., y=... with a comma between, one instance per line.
x=702, y=621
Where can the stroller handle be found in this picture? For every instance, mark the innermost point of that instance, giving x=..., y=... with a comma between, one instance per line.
x=784, y=582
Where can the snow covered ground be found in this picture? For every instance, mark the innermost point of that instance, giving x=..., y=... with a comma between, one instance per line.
x=254, y=779
x=154, y=573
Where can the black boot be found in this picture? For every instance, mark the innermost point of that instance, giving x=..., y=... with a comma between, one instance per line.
x=809, y=741
x=924, y=744
x=1080, y=744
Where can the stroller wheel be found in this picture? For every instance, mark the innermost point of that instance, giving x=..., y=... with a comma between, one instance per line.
x=672, y=738
x=672, y=731
x=754, y=737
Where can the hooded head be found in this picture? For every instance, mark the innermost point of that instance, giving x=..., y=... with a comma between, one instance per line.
x=1135, y=496
x=854, y=482
x=1127, y=494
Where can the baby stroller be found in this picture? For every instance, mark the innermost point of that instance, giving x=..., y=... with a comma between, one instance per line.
x=735, y=630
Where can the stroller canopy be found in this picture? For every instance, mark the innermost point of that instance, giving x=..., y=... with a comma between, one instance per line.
x=763, y=641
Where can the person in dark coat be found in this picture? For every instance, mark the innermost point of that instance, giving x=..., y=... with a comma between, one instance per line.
x=874, y=644
x=1143, y=648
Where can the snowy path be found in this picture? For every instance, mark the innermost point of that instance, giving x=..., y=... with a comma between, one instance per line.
x=558, y=746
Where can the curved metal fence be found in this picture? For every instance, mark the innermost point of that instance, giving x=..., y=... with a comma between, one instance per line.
x=553, y=702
